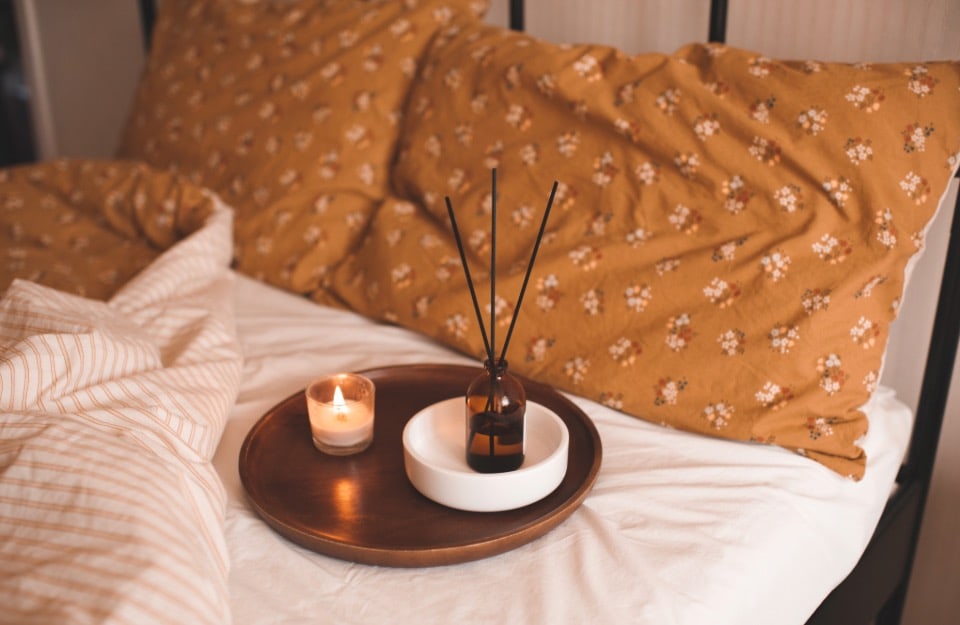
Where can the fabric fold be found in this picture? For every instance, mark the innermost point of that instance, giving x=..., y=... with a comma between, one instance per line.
x=110, y=510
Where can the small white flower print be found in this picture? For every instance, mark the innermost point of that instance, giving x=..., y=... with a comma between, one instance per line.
x=760, y=66
x=920, y=82
x=679, y=332
x=736, y=195
x=718, y=414
x=666, y=265
x=732, y=342
x=586, y=257
x=456, y=325
x=638, y=237
x=832, y=377
x=684, y=219
x=548, y=292
x=688, y=163
x=721, y=292
x=916, y=187
x=865, y=333
x=858, y=150
x=568, y=142
x=886, y=233
x=592, y=301
x=765, y=150
x=865, y=99
x=706, y=126
x=576, y=369
x=668, y=100
x=812, y=120
x=783, y=338
x=789, y=198
x=623, y=351
x=637, y=297
x=648, y=173
x=772, y=395
x=588, y=67
x=775, y=265
x=537, y=348
x=815, y=299
x=604, y=169
x=831, y=249
x=667, y=391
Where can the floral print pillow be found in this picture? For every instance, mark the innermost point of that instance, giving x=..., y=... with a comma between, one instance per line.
x=289, y=110
x=727, y=246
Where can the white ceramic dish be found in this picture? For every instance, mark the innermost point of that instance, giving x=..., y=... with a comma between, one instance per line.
x=434, y=458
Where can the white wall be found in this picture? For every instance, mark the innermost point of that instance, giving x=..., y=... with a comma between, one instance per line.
x=85, y=58
x=82, y=61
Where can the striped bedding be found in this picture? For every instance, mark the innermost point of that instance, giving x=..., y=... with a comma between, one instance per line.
x=110, y=412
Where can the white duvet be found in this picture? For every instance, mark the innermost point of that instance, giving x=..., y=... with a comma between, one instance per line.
x=111, y=511
x=678, y=528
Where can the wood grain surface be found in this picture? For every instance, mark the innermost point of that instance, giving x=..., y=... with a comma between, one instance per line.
x=363, y=508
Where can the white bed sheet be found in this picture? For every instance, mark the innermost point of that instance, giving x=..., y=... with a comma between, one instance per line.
x=678, y=528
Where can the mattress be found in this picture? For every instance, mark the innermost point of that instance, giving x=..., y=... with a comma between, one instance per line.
x=679, y=528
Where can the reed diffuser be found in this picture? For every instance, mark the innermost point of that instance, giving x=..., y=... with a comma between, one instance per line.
x=495, y=400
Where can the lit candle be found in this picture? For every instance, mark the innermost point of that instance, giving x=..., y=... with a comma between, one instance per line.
x=340, y=408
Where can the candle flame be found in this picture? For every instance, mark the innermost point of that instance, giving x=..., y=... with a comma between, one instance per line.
x=339, y=405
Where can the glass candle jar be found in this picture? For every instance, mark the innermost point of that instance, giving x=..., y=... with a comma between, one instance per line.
x=340, y=408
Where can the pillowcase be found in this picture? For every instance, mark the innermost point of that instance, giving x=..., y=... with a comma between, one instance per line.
x=727, y=246
x=289, y=110
x=88, y=226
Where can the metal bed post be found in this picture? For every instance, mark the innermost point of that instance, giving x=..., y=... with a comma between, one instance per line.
x=932, y=406
x=516, y=15
x=148, y=15
x=717, y=32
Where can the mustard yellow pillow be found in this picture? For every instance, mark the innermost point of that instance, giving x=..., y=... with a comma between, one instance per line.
x=289, y=110
x=88, y=226
x=728, y=244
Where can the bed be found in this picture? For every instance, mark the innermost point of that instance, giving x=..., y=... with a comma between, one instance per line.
x=164, y=303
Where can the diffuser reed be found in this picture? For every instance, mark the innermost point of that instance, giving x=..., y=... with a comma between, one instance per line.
x=496, y=401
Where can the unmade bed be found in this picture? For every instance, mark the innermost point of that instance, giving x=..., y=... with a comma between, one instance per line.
x=159, y=305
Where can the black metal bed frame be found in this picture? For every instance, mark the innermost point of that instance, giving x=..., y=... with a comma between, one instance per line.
x=875, y=590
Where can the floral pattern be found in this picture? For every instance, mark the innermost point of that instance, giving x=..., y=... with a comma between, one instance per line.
x=755, y=263
x=270, y=123
x=726, y=284
x=87, y=227
x=718, y=415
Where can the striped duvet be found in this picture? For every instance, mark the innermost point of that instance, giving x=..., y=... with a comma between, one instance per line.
x=110, y=412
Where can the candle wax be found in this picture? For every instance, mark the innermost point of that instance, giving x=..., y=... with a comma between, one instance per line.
x=341, y=424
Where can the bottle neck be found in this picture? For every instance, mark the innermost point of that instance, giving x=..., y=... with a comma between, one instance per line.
x=497, y=367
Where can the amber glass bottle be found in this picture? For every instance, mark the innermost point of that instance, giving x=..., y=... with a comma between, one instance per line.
x=496, y=403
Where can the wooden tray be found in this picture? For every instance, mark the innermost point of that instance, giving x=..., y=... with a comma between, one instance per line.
x=363, y=508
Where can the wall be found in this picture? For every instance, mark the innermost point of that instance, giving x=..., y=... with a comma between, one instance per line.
x=85, y=57
x=82, y=61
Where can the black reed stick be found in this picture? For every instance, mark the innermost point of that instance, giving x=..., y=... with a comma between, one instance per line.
x=526, y=278
x=493, y=266
x=466, y=270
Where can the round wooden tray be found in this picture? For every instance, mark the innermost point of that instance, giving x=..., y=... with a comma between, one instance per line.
x=363, y=508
